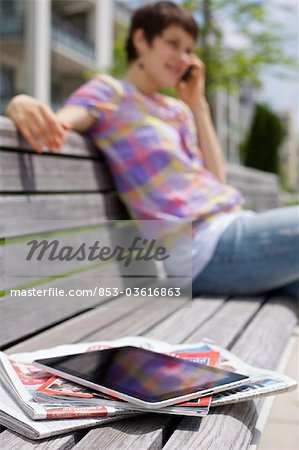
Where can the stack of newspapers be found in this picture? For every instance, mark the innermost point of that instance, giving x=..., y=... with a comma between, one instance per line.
x=38, y=405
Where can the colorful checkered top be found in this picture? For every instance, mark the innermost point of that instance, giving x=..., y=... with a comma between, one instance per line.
x=150, y=142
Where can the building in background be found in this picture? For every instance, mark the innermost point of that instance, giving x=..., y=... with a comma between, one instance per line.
x=232, y=116
x=289, y=154
x=48, y=46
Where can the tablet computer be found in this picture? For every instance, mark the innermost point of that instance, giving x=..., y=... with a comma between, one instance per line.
x=142, y=377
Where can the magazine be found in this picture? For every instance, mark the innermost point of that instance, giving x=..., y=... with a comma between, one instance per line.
x=15, y=419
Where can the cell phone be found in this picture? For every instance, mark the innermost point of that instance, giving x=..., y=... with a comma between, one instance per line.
x=187, y=74
x=142, y=377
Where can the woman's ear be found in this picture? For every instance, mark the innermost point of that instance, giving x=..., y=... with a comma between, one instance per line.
x=139, y=41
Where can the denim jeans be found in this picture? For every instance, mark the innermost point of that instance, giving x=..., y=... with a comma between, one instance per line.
x=256, y=254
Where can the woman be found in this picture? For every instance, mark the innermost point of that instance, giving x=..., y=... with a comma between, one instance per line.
x=166, y=159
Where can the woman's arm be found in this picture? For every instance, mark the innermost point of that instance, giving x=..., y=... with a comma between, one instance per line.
x=192, y=93
x=208, y=141
x=77, y=117
x=41, y=127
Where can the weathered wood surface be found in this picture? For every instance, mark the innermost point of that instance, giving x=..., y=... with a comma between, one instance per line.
x=260, y=189
x=35, y=313
x=73, y=185
x=260, y=344
x=21, y=271
x=245, y=325
x=28, y=214
x=251, y=176
x=75, y=144
x=29, y=172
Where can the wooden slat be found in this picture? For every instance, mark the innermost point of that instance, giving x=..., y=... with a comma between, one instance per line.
x=75, y=144
x=230, y=321
x=232, y=413
x=281, y=311
x=87, y=323
x=237, y=173
x=261, y=344
x=27, y=214
x=233, y=410
x=11, y=441
x=91, y=322
x=202, y=309
x=35, y=313
x=25, y=172
x=121, y=316
x=126, y=435
x=171, y=324
x=20, y=271
x=32, y=314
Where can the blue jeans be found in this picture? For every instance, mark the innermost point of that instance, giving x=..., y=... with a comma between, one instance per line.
x=256, y=254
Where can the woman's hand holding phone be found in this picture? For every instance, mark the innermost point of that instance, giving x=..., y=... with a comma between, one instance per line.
x=191, y=87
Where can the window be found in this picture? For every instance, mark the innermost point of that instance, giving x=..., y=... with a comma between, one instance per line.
x=7, y=7
x=7, y=82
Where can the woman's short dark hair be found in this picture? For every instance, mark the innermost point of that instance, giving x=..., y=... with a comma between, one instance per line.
x=153, y=18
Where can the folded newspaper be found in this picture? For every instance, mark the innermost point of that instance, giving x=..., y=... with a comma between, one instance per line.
x=38, y=405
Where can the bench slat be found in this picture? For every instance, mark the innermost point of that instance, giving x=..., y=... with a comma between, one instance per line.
x=237, y=323
x=186, y=316
x=36, y=313
x=233, y=411
x=23, y=215
x=198, y=308
x=88, y=321
x=241, y=174
x=19, y=271
x=73, y=329
x=260, y=344
x=126, y=435
x=26, y=172
x=230, y=321
x=75, y=144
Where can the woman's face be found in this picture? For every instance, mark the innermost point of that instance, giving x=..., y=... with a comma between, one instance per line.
x=168, y=56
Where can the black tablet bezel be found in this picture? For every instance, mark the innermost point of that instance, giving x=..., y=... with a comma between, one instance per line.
x=230, y=378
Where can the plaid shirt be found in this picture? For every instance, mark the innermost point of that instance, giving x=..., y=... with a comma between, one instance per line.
x=150, y=143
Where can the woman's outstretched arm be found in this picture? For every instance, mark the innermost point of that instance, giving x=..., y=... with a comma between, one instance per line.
x=41, y=127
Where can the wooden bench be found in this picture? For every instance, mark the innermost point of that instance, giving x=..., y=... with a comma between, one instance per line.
x=72, y=192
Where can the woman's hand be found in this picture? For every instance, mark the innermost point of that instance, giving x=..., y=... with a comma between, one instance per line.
x=39, y=125
x=192, y=91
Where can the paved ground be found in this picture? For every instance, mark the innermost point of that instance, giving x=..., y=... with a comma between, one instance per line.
x=282, y=429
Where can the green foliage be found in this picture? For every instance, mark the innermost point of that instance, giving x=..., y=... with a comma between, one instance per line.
x=119, y=56
x=225, y=68
x=119, y=67
x=261, y=42
x=265, y=136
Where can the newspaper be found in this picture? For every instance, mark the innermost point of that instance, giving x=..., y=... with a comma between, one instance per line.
x=21, y=379
x=262, y=382
x=15, y=419
x=25, y=383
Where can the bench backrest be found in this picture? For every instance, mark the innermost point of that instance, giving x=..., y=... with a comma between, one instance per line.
x=69, y=196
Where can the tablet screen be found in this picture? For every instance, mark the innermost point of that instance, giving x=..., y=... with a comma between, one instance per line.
x=140, y=373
